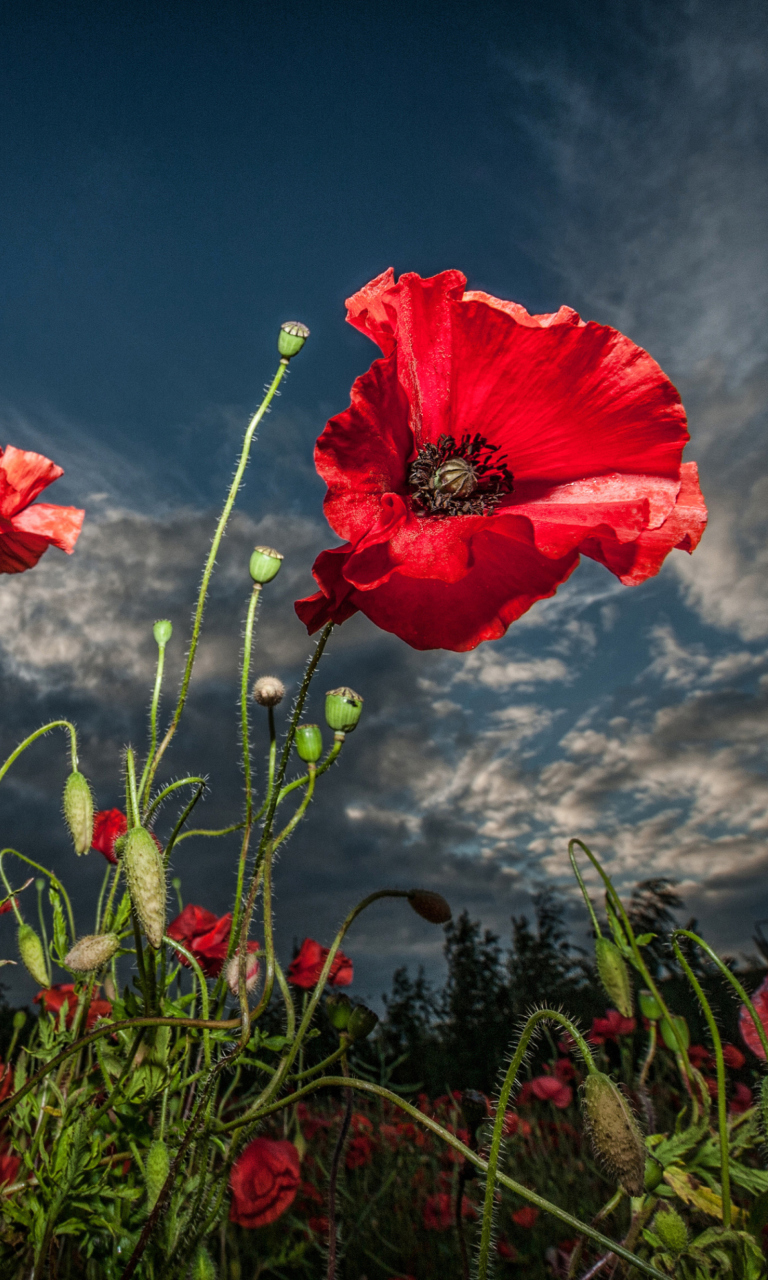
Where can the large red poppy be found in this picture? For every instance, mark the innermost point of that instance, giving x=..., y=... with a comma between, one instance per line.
x=264, y=1182
x=52, y=999
x=305, y=968
x=27, y=531
x=206, y=936
x=483, y=454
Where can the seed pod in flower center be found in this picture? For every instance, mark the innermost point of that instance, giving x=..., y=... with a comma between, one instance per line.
x=614, y=975
x=32, y=954
x=92, y=952
x=78, y=811
x=615, y=1133
x=145, y=874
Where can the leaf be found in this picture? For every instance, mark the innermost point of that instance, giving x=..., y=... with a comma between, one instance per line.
x=59, y=926
x=690, y=1191
x=275, y=1043
x=645, y=938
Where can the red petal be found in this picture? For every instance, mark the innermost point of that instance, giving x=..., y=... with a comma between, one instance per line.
x=333, y=602
x=59, y=525
x=19, y=551
x=566, y=315
x=563, y=515
x=23, y=475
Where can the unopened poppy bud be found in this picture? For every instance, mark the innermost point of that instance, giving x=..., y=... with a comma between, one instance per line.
x=616, y=1137
x=668, y=1033
x=430, y=906
x=145, y=875
x=654, y=1172
x=309, y=742
x=265, y=564
x=251, y=973
x=649, y=1006
x=91, y=952
x=268, y=691
x=162, y=631
x=202, y=1265
x=156, y=1168
x=32, y=954
x=291, y=338
x=614, y=975
x=362, y=1020
x=19, y=1018
x=339, y=1010
x=343, y=708
x=78, y=811
x=671, y=1230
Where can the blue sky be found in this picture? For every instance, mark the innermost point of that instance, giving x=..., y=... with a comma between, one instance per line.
x=177, y=180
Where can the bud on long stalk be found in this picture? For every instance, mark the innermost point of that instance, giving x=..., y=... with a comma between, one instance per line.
x=32, y=954
x=430, y=906
x=78, y=811
x=91, y=952
x=156, y=1168
x=145, y=875
x=614, y=975
x=615, y=1134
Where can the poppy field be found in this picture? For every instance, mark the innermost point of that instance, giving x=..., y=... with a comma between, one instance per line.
x=183, y=1105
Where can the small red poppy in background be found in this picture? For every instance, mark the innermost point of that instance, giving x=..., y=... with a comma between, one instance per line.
x=506, y=1250
x=263, y=1182
x=733, y=1057
x=610, y=1027
x=53, y=998
x=9, y=1167
x=27, y=531
x=206, y=936
x=514, y=1124
x=483, y=455
x=305, y=969
x=699, y=1056
x=746, y=1025
x=7, y=906
x=6, y=1080
x=547, y=1089
x=439, y=1211
x=526, y=1216
x=742, y=1099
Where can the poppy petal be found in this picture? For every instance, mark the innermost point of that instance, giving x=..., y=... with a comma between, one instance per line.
x=23, y=475
x=59, y=525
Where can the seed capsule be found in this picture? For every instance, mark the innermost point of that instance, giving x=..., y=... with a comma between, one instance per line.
x=668, y=1034
x=614, y=975
x=649, y=1006
x=78, y=811
x=162, y=631
x=156, y=1167
x=309, y=742
x=265, y=564
x=291, y=338
x=145, y=875
x=671, y=1230
x=91, y=952
x=362, y=1020
x=32, y=954
x=430, y=906
x=343, y=708
x=615, y=1133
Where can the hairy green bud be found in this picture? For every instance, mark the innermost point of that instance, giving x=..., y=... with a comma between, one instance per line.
x=362, y=1020
x=309, y=742
x=668, y=1033
x=291, y=338
x=91, y=952
x=671, y=1230
x=156, y=1167
x=145, y=875
x=649, y=1006
x=19, y=1018
x=616, y=1137
x=338, y=1006
x=264, y=564
x=614, y=975
x=343, y=708
x=78, y=811
x=430, y=906
x=162, y=631
x=654, y=1172
x=32, y=954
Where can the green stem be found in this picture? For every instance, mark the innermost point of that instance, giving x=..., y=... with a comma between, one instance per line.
x=759, y=1028
x=107, y=917
x=290, y=1012
x=244, y=704
x=541, y=1015
x=54, y=724
x=166, y=791
x=175, y=837
x=9, y=890
x=272, y=751
x=131, y=793
x=153, y=718
x=177, y=946
x=102, y=891
x=39, y=886
x=223, y=831
x=210, y=562
x=57, y=885
x=321, y=768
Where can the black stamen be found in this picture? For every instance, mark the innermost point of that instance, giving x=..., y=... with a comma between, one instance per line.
x=487, y=479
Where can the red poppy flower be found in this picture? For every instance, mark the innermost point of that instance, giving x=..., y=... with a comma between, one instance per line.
x=550, y=1089
x=6, y=1080
x=526, y=1216
x=514, y=1124
x=27, y=531
x=108, y=826
x=483, y=455
x=52, y=999
x=263, y=1182
x=733, y=1057
x=742, y=1099
x=506, y=1250
x=7, y=906
x=205, y=935
x=746, y=1025
x=610, y=1027
x=439, y=1211
x=699, y=1056
x=359, y=1151
x=305, y=969
x=9, y=1167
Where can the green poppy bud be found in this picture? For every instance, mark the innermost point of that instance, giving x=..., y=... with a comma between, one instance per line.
x=162, y=631
x=91, y=952
x=291, y=338
x=19, y=1018
x=32, y=954
x=649, y=1006
x=654, y=1172
x=614, y=975
x=430, y=906
x=265, y=564
x=343, y=708
x=362, y=1020
x=668, y=1034
x=615, y=1134
x=309, y=742
x=156, y=1168
x=145, y=874
x=671, y=1230
x=339, y=1010
x=202, y=1265
x=78, y=811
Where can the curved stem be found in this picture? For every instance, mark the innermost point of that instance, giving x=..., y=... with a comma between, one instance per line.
x=759, y=1028
x=290, y=1012
x=9, y=890
x=210, y=562
x=321, y=768
x=177, y=946
x=244, y=706
x=153, y=718
x=54, y=724
x=223, y=831
x=175, y=838
x=58, y=886
x=272, y=751
x=334, y=1172
x=166, y=791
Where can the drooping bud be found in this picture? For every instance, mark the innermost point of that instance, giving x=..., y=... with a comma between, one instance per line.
x=202, y=1265
x=671, y=1230
x=614, y=975
x=32, y=954
x=430, y=906
x=162, y=631
x=616, y=1137
x=251, y=973
x=291, y=338
x=362, y=1020
x=649, y=1006
x=338, y=1006
x=309, y=742
x=654, y=1172
x=91, y=952
x=268, y=691
x=78, y=811
x=343, y=708
x=156, y=1167
x=145, y=875
x=265, y=564
x=668, y=1033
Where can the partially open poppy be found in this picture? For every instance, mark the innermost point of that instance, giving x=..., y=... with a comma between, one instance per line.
x=305, y=968
x=27, y=531
x=483, y=455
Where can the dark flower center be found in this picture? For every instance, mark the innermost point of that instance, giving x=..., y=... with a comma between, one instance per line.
x=458, y=479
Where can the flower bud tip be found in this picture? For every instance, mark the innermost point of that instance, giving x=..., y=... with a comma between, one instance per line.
x=233, y=973
x=264, y=564
x=268, y=691
x=291, y=338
